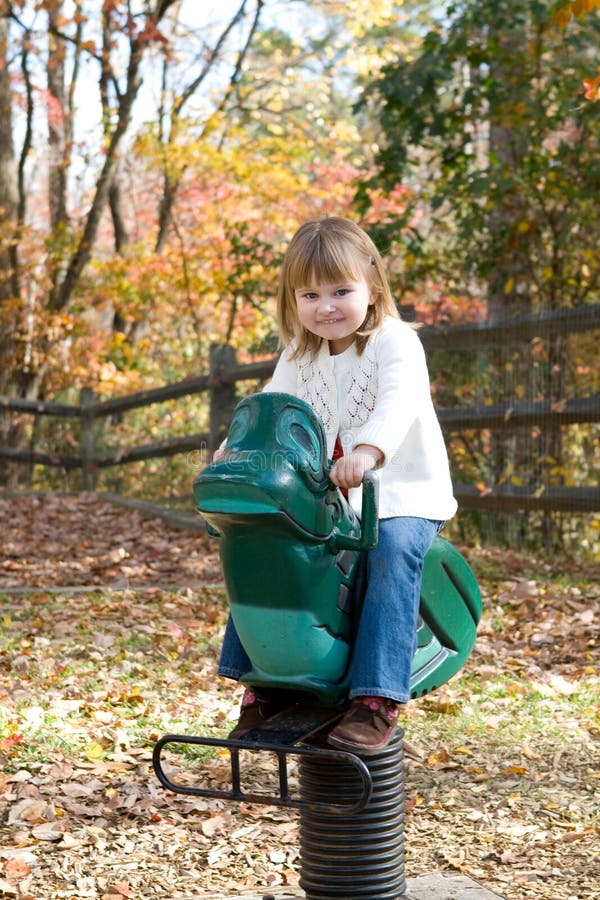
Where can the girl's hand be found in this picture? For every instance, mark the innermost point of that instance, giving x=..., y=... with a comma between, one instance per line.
x=348, y=471
x=218, y=452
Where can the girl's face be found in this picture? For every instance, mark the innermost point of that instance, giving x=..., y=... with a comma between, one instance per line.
x=335, y=311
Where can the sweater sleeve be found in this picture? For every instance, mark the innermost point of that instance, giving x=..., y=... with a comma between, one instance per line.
x=403, y=393
x=285, y=376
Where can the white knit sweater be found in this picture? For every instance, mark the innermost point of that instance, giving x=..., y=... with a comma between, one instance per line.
x=382, y=398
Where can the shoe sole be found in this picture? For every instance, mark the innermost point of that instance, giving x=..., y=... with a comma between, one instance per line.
x=364, y=750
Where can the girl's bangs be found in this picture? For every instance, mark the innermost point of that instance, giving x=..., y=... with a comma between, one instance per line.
x=325, y=262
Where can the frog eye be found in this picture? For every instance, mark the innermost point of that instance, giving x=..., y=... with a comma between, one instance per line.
x=295, y=432
x=239, y=427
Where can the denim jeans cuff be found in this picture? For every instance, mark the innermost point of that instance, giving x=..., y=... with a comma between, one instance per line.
x=229, y=673
x=378, y=692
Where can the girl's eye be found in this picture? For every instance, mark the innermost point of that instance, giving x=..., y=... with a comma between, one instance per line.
x=342, y=292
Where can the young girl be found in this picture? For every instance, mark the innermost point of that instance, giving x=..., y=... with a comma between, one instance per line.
x=363, y=371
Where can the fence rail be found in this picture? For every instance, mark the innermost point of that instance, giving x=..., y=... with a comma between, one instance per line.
x=225, y=373
x=518, y=329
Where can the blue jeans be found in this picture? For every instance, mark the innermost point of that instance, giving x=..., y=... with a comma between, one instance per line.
x=386, y=639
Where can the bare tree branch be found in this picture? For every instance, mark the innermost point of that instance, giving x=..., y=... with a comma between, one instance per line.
x=126, y=99
x=213, y=56
x=82, y=254
x=171, y=183
x=162, y=7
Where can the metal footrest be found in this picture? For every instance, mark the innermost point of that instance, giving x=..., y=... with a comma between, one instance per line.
x=277, y=736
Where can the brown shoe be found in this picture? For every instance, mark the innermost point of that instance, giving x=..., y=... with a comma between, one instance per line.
x=255, y=710
x=367, y=726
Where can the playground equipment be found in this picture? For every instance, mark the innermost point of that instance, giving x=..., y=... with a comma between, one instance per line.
x=293, y=552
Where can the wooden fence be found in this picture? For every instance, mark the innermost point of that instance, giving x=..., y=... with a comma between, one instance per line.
x=225, y=373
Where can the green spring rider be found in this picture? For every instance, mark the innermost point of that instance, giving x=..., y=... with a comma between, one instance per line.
x=293, y=556
x=293, y=553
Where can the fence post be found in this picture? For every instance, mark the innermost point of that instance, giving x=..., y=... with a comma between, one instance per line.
x=87, y=438
x=222, y=396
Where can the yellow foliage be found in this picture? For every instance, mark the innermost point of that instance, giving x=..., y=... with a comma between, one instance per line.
x=577, y=8
x=364, y=14
x=582, y=7
x=94, y=751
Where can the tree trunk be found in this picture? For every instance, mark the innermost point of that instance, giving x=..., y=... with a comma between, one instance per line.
x=508, y=283
x=9, y=202
x=115, y=202
x=58, y=121
x=9, y=199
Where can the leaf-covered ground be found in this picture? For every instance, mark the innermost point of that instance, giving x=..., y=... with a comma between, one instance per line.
x=507, y=791
x=67, y=540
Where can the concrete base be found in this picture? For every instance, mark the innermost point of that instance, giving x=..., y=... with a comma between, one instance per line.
x=421, y=887
x=446, y=887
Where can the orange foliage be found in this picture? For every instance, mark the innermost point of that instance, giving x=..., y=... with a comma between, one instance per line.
x=438, y=306
x=592, y=87
x=577, y=9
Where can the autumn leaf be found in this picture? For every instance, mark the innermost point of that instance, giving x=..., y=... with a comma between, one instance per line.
x=95, y=750
x=118, y=890
x=7, y=743
x=16, y=869
x=592, y=87
x=441, y=759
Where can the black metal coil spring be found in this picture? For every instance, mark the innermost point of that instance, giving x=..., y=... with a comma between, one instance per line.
x=353, y=856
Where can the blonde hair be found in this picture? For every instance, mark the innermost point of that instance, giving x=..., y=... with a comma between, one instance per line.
x=326, y=251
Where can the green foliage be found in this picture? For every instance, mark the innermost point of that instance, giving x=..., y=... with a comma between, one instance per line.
x=488, y=125
x=489, y=119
